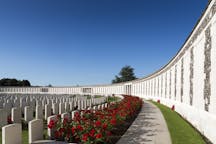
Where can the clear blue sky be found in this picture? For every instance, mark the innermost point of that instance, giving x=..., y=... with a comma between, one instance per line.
x=70, y=42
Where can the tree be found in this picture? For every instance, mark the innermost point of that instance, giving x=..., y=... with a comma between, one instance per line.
x=126, y=74
x=14, y=82
x=26, y=83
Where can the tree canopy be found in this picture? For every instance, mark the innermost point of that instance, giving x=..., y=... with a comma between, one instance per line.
x=14, y=82
x=126, y=74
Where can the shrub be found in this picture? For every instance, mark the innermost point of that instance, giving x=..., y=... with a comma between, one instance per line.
x=93, y=127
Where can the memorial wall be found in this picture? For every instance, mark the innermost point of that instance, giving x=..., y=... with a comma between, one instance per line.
x=188, y=81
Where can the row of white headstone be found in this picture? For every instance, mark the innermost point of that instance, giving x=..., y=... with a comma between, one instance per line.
x=23, y=100
x=44, y=108
x=12, y=134
x=9, y=101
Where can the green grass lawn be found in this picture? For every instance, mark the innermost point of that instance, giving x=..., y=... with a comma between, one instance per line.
x=181, y=132
x=25, y=136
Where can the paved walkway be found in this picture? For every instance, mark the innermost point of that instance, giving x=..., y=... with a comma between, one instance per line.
x=148, y=128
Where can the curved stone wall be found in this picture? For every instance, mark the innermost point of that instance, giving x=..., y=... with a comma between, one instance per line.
x=188, y=81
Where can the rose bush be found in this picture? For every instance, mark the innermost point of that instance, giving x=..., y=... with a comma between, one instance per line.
x=94, y=126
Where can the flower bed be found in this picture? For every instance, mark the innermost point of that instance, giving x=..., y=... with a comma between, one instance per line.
x=93, y=127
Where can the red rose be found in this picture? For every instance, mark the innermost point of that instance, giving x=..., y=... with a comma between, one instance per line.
x=57, y=134
x=92, y=132
x=77, y=114
x=98, y=123
x=73, y=130
x=109, y=133
x=85, y=137
x=104, y=126
x=9, y=120
x=98, y=136
x=173, y=107
x=79, y=127
x=51, y=124
x=61, y=131
x=113, y=121
x=65, y=121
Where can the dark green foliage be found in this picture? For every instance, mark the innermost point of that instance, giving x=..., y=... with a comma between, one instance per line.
x=126, y=74
x=14, y=82
x=113, y=99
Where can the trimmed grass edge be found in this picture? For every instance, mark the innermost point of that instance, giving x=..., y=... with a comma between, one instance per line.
x=181, y=131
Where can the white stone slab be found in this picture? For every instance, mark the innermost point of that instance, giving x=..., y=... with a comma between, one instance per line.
x=3, y=118
x=65, y=115
x=28, y=115
x=55, y=108
x=61, y=108
x=39, y=112
x=12, y=134
x=35, y=130
x=50, y=132
x=67, y=107
x=16, y=115
x=47, y=111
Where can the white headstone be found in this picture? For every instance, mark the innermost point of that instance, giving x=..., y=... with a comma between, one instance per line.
x=22, y=105
x=38, y=102
x=1, y=104
x=79, y=104
x=16, y=115
x=82, y=105
x=105, y=105
x=39, y=112
x=28, y=115
x=16, y=103
x=71, y=105
x=65, y=115
x=50, y=132
x=33, y=105
x=95, y=107
x=73, y=114
x=7, y=107
x=67, y=107
x=47, y=111
x=35, y=130
x=12, y=134
x=61, y=108
x=3, y=118
x=43, y=102
x=55, y=108
x=53, y=101
x=85, y=104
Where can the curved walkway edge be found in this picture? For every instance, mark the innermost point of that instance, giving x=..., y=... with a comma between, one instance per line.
x=148, y=128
